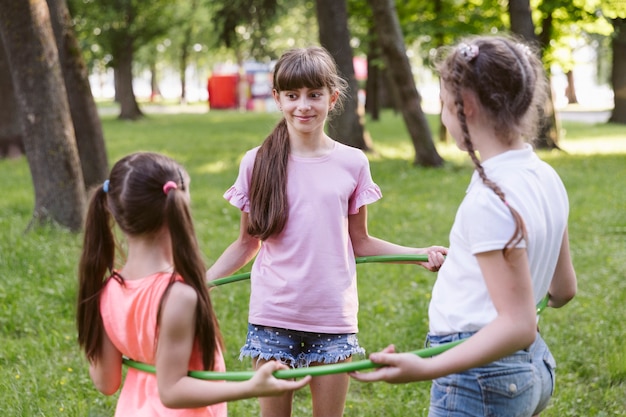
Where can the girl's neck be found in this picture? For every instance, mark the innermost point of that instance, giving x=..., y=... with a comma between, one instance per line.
x=147, y=256
x=310, y=146
x=488, y=144
x=495, y=147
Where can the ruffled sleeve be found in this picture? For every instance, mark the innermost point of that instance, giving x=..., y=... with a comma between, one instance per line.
x=238, y=193
x=237, y=199
x=367, y=196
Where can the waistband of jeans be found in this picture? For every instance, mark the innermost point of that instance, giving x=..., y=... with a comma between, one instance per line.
x=435, y=340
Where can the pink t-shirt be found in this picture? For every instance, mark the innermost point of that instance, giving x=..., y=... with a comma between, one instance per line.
x=305, y=277
x=129, y=314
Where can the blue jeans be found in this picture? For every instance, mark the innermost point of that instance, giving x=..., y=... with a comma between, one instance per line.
x=518, y=385
x=298, y=349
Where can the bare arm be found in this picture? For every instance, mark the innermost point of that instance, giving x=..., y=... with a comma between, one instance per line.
x=366, y=245
x=514, y=328
x=106, y=371
x=176, y=339
x=563, y=286
x=238, y=254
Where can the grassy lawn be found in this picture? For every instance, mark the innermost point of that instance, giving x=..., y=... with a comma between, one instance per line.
x=42, y=372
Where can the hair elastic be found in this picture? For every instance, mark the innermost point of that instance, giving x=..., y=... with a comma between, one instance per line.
x=170, y=185
x=105, y=186
x=468, y=52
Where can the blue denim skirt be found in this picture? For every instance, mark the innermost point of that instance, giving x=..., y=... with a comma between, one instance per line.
x=296, y=348
x=517, y=385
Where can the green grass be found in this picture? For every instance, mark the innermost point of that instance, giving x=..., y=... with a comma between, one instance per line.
x=42, y=372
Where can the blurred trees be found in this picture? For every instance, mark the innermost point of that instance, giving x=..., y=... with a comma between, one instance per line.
x=119, y=28
x=399, y=39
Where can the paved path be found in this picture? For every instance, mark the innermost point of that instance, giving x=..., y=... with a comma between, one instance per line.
x=586, y=116
x=593, y=116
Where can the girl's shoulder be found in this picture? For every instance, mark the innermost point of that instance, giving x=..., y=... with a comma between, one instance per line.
x=351, y=152
x=247, y=160
x=251, y=153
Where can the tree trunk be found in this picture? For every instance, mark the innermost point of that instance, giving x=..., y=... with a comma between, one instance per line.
x=184, y=58
x=86, y=122
x=184, y=61
x=391, y=40
x=372, y=84
x=332, y=18
x=49, y=138
x=124, y=54
x=11, y=142
x=439, y=42
x=522, y=24
x=570, y=89
x=618, y=71
x=372, y=102
x=521, y=20
x=155, y=91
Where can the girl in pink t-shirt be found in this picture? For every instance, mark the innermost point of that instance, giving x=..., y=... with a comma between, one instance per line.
x=303, y=199
x=156, y=308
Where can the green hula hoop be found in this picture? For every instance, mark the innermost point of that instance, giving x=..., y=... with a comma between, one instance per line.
x=361, y=260
x=329, y=369
x=335, y=368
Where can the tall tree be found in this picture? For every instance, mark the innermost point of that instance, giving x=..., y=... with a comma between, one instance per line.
x=391, y=40
x=85, y=119
x=522, y=24
x=119, y=28
x=332, y=18
x=49, y=139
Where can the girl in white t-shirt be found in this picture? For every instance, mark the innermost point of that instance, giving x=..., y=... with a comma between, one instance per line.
x=509, y=244
x=303, y=199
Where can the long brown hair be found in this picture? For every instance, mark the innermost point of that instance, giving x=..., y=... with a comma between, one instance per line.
x=311, y=67
x=133, y=198
x=508, y=80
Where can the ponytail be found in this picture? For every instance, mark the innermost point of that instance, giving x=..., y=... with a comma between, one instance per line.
x=188, y=264
x=96, y=262
x=268, y=185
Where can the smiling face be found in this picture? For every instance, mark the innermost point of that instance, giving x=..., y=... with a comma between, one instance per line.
x=306, y=109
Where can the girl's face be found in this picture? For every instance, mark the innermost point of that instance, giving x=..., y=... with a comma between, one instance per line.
x=449, y=117
x=306, y=109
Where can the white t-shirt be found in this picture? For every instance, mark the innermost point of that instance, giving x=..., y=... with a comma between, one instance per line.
x=305, y=277
x=460, y=300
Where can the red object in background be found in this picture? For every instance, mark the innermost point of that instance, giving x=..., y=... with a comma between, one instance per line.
x=360, y=68
x=223, y=91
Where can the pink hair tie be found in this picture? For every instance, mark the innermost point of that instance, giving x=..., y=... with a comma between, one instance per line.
x=170, y=185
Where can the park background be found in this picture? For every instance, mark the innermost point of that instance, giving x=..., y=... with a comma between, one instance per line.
x=42, y=371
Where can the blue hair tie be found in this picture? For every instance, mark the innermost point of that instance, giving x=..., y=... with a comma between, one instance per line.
x=105, y=186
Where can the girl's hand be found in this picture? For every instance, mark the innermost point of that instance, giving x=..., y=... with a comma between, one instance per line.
x=397, y=368
x=436, y=257
x=265, y=384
